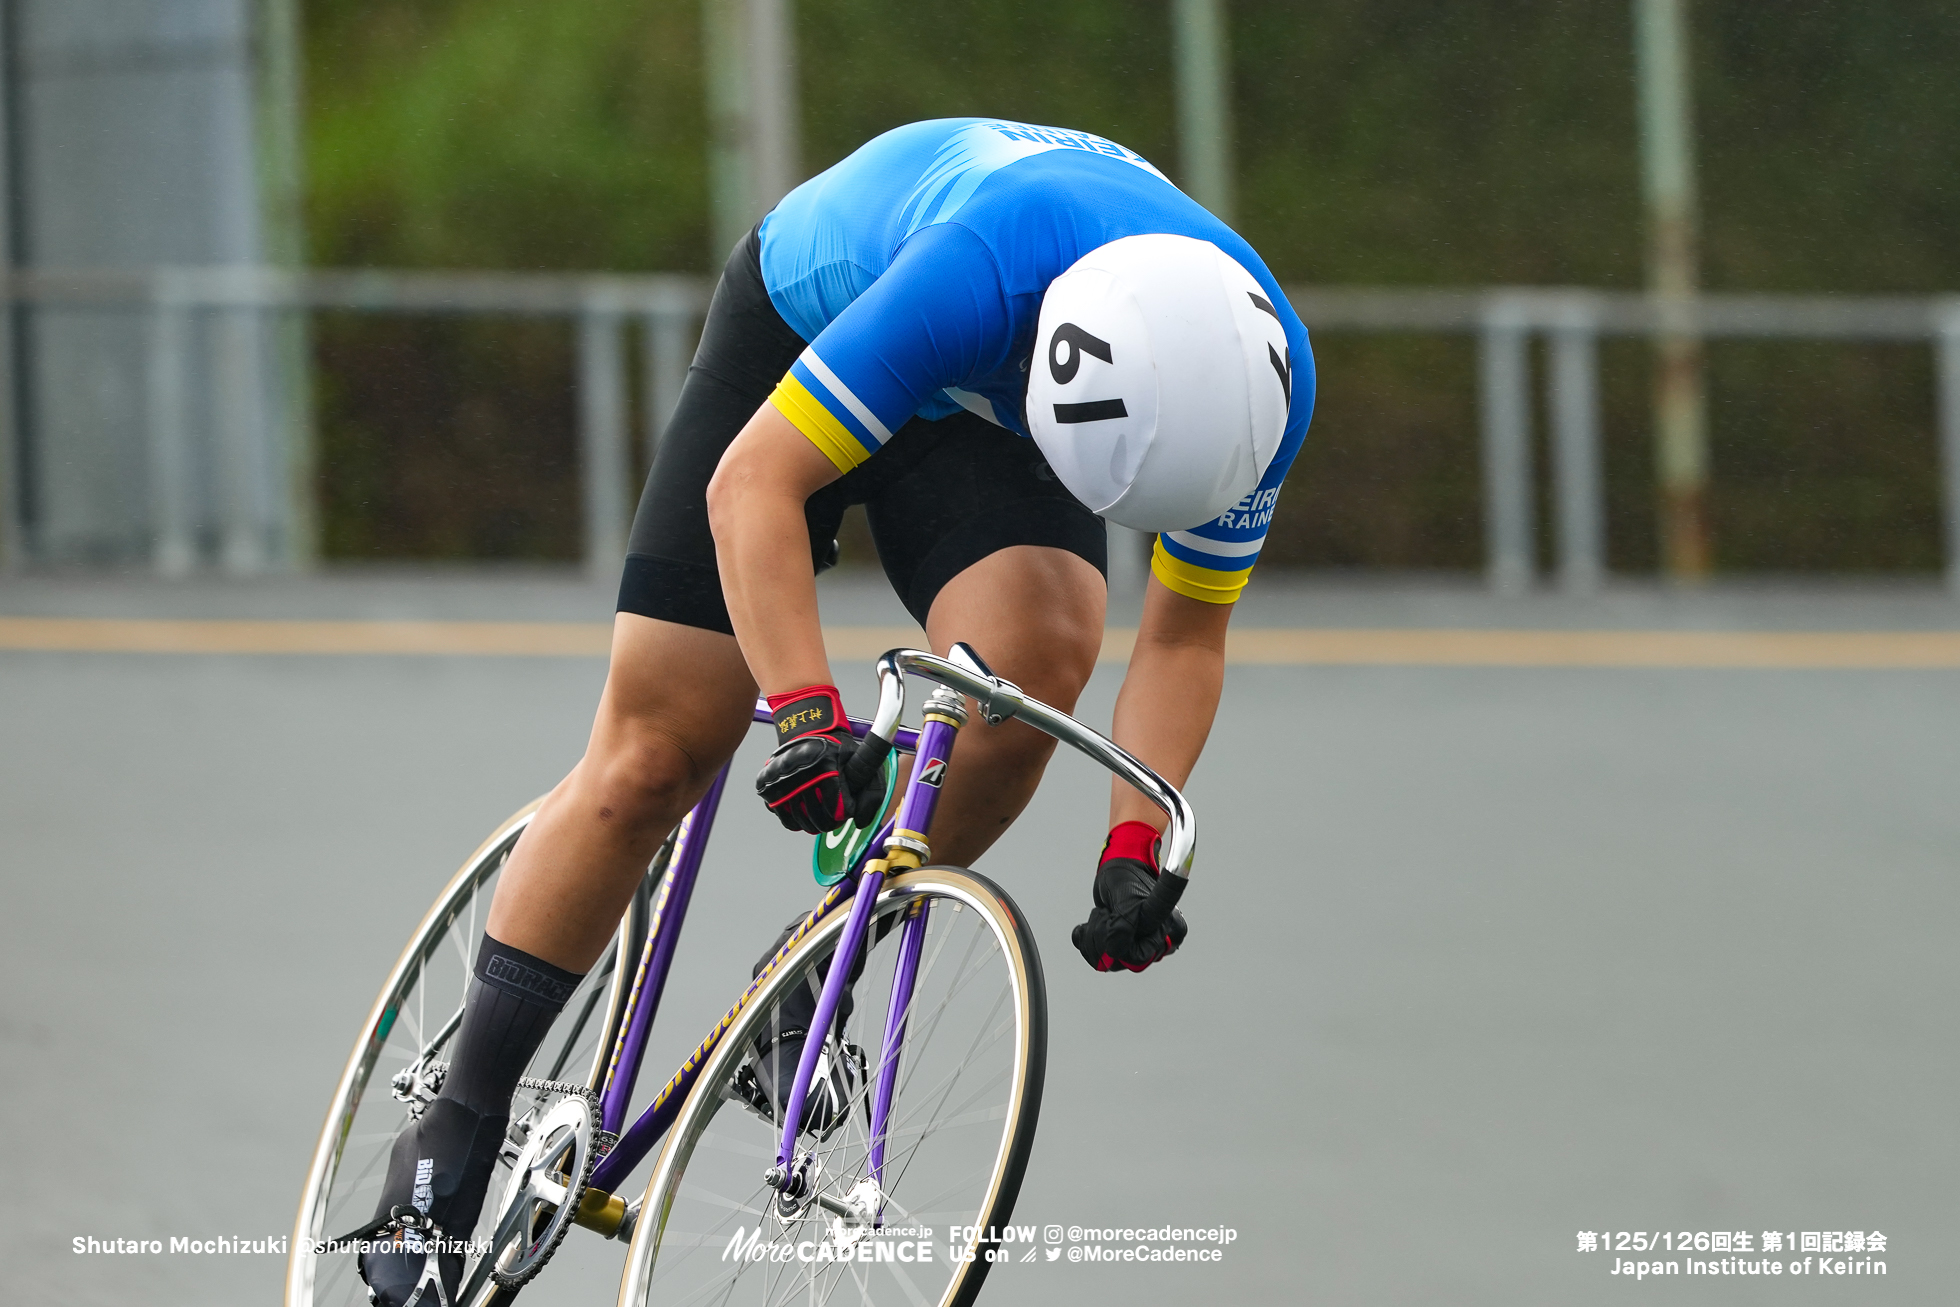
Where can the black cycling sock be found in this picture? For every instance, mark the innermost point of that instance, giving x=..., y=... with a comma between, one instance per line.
x=442, y=1163
x=513, y=999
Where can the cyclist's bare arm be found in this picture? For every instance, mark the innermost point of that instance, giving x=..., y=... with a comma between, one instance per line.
x=756, y=505
x=762, y=543
x=1170, y=695
x=1037, y=611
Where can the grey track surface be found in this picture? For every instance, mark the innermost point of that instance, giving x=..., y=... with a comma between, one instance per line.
x=1479, y=957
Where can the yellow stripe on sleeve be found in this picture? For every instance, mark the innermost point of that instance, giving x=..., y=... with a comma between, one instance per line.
x=1194, y=582
x=807, y=414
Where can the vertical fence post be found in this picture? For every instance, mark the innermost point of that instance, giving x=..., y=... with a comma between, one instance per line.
x=602, y=435
x=774, y=113
x=753, y=114
x=243, y=432
x=1503, y=367
x=666, y=371
x=1946, y=345
x=13, y=534
x=173, y=549
x=1665, y=76
x=1578, y=487
x=726, y=65
x=1199, y=44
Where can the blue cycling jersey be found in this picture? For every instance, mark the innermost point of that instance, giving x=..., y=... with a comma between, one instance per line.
x=916, y=268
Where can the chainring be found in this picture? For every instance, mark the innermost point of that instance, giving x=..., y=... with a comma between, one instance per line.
x=548, y=1180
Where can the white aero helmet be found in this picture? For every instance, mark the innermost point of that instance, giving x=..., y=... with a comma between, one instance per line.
x=1160, y=381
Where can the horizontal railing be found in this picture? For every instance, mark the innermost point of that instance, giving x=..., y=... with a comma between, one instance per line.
x=361, y=289
x=1572, y=321
x=1625, y=313
x=1503, y=319
x=669, y=305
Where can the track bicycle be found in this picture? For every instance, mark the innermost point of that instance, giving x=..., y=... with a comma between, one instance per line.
x=743, y=1204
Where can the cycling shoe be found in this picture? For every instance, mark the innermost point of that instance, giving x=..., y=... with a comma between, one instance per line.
x=441, y=1166
x=834, y=1086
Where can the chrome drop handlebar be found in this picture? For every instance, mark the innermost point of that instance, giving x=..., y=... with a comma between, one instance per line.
x=1001, y=700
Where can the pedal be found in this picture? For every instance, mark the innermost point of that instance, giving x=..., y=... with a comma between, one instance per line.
x=515, y=1137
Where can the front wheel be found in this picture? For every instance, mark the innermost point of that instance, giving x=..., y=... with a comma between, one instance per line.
x=965, y=1082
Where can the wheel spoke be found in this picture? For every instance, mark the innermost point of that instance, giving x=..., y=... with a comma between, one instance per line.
x=958, y=1084
x=953, y=1113
x=959, y=1068
x=727, y=1144
x=911, y=1288
x=715, y=1199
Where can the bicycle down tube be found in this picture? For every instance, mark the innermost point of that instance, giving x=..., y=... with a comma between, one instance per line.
x=657, y=955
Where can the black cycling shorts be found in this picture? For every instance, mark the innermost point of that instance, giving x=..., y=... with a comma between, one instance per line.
x=941, y=495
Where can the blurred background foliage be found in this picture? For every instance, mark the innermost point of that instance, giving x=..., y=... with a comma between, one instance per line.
x=1386, y=142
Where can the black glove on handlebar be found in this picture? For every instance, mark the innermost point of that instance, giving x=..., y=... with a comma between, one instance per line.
x=820, y=776
x=1134, y=922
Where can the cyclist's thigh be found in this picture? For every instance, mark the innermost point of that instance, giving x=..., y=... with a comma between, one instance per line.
x=984, y=545
x=1034, y=612
x=676, y=704
x=674, y=687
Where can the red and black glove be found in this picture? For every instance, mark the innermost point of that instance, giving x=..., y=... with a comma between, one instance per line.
x=1135, y=921
x=820, y=776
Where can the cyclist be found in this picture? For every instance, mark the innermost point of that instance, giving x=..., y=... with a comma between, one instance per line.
x=994, y=336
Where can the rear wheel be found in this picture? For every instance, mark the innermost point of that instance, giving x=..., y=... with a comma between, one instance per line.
x=967, y=1080
x=396, y=1069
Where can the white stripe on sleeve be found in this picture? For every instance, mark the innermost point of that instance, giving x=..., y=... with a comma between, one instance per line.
x=822, y=372
x=1217, y=548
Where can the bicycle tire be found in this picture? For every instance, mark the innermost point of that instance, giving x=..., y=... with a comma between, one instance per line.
x=688, y=1208
x=343, y=1179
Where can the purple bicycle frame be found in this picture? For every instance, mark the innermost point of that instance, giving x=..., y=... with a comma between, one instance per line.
x=909, y=947
x=667, y=915
x=914, y=814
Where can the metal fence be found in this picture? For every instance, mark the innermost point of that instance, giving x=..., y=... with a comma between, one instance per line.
x=1504, y=320
x=1572, y=321
x=171, y=300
